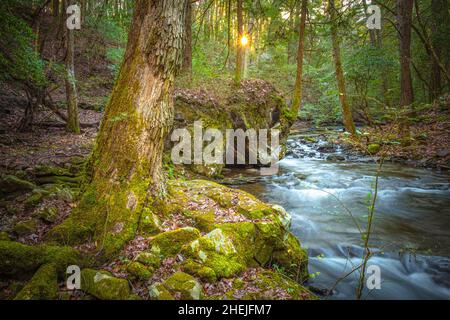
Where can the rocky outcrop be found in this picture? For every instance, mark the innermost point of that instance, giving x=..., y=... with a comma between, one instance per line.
x=222, y=233
x=256, y=104
x=203, y=234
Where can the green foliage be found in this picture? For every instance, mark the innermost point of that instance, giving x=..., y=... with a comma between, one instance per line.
x=111, y=30
x=115, y=55
x=19, y=62
x=208, y=60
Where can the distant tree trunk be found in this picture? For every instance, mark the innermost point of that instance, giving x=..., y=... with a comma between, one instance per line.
x=346, y=111
x=73, y=123
x=404, y=20
x=292, y=43
x=440, y=33
x=228, y=32
x=187, y=52
x=297, y=99
x=125, y=173
x=239, y=48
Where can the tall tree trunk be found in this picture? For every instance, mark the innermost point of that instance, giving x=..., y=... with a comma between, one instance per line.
x=125, y=174
x=293, y=27
x=346, y=111
x=404, y=20
x=187, y=52
x=73, y=123
x=239, y=47
x=297, y=99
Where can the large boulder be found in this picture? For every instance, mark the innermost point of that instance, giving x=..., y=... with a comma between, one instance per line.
x=256, y=104
x=240, y=232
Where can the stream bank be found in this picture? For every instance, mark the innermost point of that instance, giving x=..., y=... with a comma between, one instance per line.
x=319, y=181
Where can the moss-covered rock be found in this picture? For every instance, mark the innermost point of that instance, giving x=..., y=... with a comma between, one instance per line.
x=170, y=242
x=256, y=104
x=34, y=199
x=293, y=259
x=104, y=286
x=230, y=247
x=204, y=219
x=199, y=270
x=255, y=242
x=158, y=291
x=283, y=217
x=11, y=184
x=148, y=223
x=139, y=271
x=185, y=285
x=199, y=199
x=150, y=259
x=43, y=285
x=58, y=175
x=48, y=214
x=19, y=259
x=243, y=202
x=216, y=252
x=23, y=228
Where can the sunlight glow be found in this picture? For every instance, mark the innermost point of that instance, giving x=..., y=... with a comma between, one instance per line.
x=244, y=41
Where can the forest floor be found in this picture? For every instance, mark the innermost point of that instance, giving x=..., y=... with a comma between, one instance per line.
x=49, y=145
x=428, y=143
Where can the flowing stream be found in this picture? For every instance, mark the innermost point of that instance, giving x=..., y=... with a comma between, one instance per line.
x=411, y=227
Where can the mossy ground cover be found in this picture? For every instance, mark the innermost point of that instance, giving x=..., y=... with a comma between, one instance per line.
x=241, y=233
x=202, y=230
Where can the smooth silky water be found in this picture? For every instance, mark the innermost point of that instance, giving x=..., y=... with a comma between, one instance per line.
x=411, y=227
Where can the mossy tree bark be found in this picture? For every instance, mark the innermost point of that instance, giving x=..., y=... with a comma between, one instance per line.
x=73, y=122
x=125, y=170
x=297, y=99
x=346, y=111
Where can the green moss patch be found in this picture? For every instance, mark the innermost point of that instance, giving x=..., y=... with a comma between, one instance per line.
x=43, y=285
x=104, y=286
